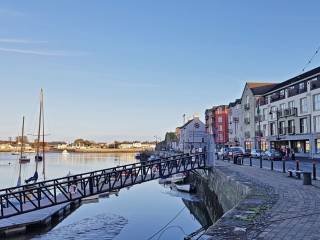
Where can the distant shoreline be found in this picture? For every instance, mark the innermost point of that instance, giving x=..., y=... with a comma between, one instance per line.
x=109, y=150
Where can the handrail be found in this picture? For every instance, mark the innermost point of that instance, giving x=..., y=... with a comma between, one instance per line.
x=87, y=173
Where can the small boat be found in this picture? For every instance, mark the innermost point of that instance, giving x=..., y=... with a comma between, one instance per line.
x=183, y=187
x=30, y=151
x=152, y=158
x=38, y=158
x=65, y=152
x=15, y=153
x=24, y=159
x=91, y=199
x=173, y=179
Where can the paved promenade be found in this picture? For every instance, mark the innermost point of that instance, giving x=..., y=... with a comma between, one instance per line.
x=291, y=209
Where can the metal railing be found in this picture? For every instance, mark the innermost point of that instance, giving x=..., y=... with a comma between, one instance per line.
x=32, y=197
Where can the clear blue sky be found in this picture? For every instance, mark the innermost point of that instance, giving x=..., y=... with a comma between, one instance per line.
x=130, y=69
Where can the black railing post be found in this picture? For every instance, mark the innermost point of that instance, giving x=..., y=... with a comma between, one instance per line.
x=20, y=202
x=38, y=196
x=314, y=170
x=90, y=180
x=160, y=170
x=260, y=161
x=297, y=165
x=271, y=164
x=250, y=159
x=284, y=165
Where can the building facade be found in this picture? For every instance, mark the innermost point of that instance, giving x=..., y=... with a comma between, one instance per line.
x=193, y=136
x=235, y=124
x=252, y=91
x=289, y=114
x=217, y=124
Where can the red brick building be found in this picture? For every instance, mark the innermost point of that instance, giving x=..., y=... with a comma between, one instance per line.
x=217, y=124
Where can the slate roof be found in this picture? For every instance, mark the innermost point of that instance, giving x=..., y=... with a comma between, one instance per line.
x=296, y=79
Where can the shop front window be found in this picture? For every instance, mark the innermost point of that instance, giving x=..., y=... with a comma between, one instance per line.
x=318, y=145
x=307, y=146
x=248, y=145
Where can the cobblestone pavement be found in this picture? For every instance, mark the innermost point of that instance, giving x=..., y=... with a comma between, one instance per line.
x=296, y=212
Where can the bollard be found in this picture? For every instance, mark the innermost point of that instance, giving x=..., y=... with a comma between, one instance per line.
x=250, y=161
x=260, y=161
x=297, y=165
x=314, y=170
x=284, y=165
x=271, y=164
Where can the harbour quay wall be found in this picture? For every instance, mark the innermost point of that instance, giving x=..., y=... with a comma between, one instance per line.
x=235, y=204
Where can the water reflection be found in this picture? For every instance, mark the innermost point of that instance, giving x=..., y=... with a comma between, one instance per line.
x=59, y=165
x=136, y=213
x=105, y=226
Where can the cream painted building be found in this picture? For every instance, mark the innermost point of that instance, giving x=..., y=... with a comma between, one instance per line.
x=290, y=114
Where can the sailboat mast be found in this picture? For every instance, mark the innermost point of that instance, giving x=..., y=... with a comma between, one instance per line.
x=22, y=136
x=39, y=132
x=43, y=150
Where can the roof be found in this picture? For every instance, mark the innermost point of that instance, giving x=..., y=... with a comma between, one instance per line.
x=259, y=88
x=263, y=89
x=186, y=123
x=296, y=79
x=237, y=101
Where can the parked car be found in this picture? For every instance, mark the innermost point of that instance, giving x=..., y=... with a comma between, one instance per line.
x=256, y=153
x=272, y=155
x=223, y=153
x=235, y=152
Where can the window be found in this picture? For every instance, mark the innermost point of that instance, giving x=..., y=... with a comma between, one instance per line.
x=220, y=127
x=281, y=128
x=303, y=105
x=318, y=145
x=316, y=121
x=307, y=146
x=301, y=86
x=273, y=112
x=220, y=119
x=316, y=102
x=282, y=94
x=272, y=129
x=264, y=130
x=282, y=106
x=291, y=104
x=247, y=99
x=303, y=125
x=264, y=114
x=291, y=127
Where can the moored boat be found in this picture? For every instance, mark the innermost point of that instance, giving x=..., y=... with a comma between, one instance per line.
x=179, y=177
x=23, y=158
x=65, y=152
x=184, y=187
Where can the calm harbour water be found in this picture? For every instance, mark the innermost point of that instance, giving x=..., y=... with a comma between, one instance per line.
x=136, y=213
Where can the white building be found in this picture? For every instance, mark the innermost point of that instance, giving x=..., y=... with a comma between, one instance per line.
x=290, y=114
x=252, y=91
x=234, y=121
x=192, y=136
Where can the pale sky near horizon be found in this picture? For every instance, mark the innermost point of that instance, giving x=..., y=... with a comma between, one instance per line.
x=115, y=70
